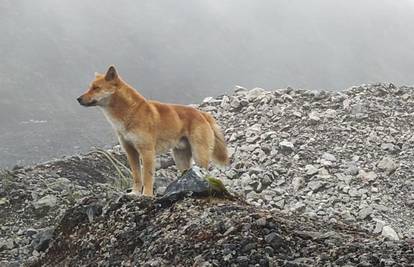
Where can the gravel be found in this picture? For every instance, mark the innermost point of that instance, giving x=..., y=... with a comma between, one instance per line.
x=202, y=232
x=322, y=177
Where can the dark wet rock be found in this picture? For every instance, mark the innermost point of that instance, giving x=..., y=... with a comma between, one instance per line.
x=42, y=239
x=191, y=183
x=275, y=240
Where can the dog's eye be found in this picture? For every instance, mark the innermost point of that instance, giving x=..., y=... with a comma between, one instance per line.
x=95, y=88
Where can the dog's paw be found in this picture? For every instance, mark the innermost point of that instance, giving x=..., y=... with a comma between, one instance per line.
x=148, y=192
x=133, y=194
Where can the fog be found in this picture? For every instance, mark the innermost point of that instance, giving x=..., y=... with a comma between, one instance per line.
x=181, y=51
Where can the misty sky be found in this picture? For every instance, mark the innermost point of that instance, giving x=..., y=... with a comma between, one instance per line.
x=182, y=51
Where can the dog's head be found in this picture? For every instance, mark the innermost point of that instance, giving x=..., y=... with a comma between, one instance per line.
x=101, y=89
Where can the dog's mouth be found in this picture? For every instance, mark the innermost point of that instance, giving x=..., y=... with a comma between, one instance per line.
x=89, y=104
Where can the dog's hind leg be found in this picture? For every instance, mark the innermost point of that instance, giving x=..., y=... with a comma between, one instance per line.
x=182, y=158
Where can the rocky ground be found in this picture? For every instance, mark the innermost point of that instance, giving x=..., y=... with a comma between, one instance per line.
x=33, y=199
x=344, y=156
x=210, y=232
x=327, y=177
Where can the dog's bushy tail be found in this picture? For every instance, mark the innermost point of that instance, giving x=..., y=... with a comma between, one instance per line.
x=220, y=153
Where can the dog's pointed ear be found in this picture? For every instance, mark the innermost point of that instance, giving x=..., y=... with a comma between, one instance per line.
x=111, y=74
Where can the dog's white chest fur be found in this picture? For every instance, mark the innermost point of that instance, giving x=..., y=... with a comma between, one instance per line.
x=116, y=124
x=120, y=129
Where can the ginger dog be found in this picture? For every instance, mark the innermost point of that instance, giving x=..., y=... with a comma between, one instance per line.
x=146, y=128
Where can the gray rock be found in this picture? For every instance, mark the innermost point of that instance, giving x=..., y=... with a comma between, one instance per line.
x=256, y=186
x=297, y=183
x=274, y=240
x=410, y=201
x=286, y=146
x=254, y=94
x=345, y=178
x=352, y=170
x=297, y=114
x=280, y=204
x=330, y=113
x=315, y=186
x=365, y=212
x=160, y=190
x=261, y=221
x=42, y=239
x=388, y=165
x=46, y=201
x=326, y=163
x=378, y=226
x=245, y=179
x=30, y=232
x=367, y=177
x=269, y=251
x=286, y=98
x=7, y=244
x=3, y=201
x=390, y=147
x=357, y=109
x=232, y=174
x=311, y=170
x=298, y=207
x=239, y=89
x=248, y=247
x=208, y=99
x=235, y=103
x=314, y=117
x=61, y=183
x=329, y=157
x=348, y=217
x=389, y=233
x=353, y=192
x=266, y=181
x=255, y=170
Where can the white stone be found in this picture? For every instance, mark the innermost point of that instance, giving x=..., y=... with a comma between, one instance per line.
x=390, y=233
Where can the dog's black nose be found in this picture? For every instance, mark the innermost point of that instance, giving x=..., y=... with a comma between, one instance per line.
x=79, y=99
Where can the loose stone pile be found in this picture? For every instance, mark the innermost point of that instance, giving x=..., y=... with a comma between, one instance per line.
x=206, y=232
x=33, y=199
x=337, y=158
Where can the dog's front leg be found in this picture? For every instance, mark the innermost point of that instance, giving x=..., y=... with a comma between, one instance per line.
x=148, y=159
x=135, y=165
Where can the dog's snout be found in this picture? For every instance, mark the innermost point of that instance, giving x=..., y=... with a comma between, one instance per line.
x=79, y=99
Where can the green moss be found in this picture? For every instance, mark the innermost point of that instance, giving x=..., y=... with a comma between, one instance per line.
x=218, y=187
